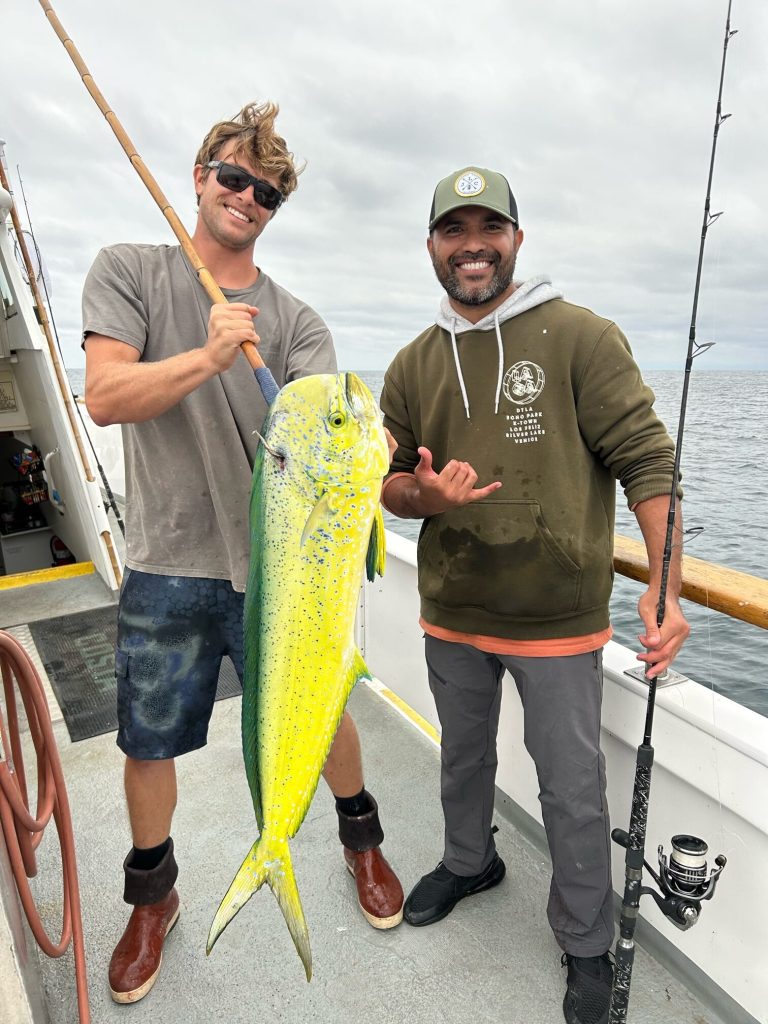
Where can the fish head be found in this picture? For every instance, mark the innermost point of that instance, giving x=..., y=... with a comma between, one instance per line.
x=329, y=428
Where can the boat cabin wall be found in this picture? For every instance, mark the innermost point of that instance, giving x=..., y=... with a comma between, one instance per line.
x=19, y=324
x=13, y=413
x=7, y=313
x=42, y=420
x=28, y=502
x=27, y=527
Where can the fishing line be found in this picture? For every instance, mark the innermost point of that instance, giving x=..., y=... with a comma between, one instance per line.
x=714, y=288
x=107, y=489
x=681, y=879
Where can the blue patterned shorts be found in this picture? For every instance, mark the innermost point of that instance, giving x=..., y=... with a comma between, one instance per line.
x=172, y=632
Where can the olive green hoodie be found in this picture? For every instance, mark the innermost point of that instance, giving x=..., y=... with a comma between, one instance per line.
x=545, y=397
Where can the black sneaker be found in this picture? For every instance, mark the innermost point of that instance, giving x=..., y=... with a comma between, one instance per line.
x=435, y=896
x=588, y=995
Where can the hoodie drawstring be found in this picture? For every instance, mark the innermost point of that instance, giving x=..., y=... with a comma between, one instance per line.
x=526, y=295
x=501, y=361
x=460, y=375
x=458, y=367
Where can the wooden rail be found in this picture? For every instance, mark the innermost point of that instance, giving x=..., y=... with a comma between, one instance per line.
x=734, y=593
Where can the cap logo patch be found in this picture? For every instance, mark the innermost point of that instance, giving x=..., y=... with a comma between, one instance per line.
x=469, y=184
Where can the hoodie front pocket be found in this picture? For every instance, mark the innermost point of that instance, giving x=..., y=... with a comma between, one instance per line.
x=500, y=556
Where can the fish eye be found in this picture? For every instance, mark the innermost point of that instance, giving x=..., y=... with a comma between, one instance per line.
x=337, y=419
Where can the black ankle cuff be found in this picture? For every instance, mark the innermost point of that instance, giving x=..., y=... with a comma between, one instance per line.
x=354, y=806
x=361, y=832
x=145, y=859
x=146, y=886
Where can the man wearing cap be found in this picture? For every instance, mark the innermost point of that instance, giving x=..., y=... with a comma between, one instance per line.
x=514, y=414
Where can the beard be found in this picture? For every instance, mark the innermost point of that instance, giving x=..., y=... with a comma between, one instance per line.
x=475, y=295
x=227, y=235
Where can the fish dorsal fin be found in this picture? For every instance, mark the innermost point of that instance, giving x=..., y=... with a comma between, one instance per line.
x=377, y=547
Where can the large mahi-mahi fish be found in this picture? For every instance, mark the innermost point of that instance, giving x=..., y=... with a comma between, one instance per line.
x=315, y=523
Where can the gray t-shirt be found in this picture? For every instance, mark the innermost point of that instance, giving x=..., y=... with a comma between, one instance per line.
x=188, y=471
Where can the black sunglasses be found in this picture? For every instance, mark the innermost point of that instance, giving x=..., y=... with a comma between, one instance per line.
x=237, y=180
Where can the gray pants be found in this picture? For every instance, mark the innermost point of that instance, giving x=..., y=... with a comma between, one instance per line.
x=561, y=706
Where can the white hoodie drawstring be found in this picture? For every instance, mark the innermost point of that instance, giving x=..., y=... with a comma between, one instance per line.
x=458, y=367
x=533, y=292
x=460, y=375
x=501, y=361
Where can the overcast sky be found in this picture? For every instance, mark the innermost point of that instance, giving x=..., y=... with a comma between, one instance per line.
x=600, y=113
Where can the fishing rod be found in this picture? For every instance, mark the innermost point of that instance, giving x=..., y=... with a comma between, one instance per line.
x=262, y=373
x=682, y=879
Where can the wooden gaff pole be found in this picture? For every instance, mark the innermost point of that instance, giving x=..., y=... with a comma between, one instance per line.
x=205, y=277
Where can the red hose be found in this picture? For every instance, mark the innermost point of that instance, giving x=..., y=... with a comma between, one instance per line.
x=21, y=829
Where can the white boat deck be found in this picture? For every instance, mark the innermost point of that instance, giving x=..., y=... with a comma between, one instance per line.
x=492, y=961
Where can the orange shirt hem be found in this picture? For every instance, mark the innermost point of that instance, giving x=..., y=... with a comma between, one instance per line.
x=554, y=648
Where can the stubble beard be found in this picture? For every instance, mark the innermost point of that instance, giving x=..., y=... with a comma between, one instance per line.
x=217, y=229
x=476, y=295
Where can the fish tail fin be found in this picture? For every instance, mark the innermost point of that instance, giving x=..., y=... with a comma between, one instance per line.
x=270, y=862
x=283, y=884
x=249, y=879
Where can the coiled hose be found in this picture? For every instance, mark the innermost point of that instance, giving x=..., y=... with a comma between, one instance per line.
x=22, y=831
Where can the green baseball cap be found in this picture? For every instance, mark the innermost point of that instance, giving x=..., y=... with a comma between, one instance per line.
x=473, y=186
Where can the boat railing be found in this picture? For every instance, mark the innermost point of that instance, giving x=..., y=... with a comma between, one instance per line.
x=737, y=594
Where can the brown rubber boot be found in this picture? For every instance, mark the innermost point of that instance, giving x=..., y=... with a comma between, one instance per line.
x=379, y=892
x=137, y=958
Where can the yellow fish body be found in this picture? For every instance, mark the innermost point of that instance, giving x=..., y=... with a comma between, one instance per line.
x=315, y=523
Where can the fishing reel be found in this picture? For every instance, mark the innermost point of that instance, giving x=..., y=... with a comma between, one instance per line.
x=682, y=879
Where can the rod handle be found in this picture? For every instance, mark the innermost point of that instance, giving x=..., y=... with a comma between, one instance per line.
x=620, y=837
x=266, y=381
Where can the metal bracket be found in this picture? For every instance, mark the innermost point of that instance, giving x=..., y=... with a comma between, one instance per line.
x=668, y=678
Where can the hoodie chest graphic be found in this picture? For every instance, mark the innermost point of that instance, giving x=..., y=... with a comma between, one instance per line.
x=523, y=383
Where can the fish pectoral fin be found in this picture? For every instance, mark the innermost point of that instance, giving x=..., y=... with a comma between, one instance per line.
x=358, y=670
x=269, y=860
x=377, y=547
x=322, y=510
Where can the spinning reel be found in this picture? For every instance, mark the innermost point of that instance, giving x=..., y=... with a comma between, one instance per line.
x=682, y=880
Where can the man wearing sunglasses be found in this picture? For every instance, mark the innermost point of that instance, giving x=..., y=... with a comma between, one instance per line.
x=166, y=364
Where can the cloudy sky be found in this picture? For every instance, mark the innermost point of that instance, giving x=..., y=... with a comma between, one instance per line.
x=600, y=113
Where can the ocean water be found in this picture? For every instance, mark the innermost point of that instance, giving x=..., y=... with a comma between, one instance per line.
x=726, y=491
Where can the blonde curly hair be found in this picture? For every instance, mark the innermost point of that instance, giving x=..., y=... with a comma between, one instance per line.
x=253, y=128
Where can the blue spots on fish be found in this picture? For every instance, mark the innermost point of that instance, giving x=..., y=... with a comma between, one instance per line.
x=309, y=530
